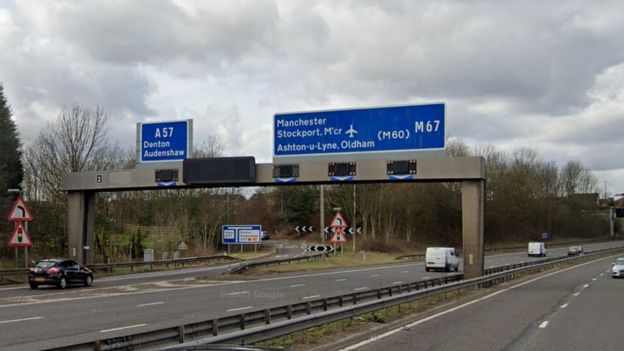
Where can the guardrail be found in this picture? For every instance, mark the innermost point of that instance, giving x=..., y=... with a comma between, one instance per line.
x=254, y=326
x=247, y=265
x=111, y=266
x=509, y=248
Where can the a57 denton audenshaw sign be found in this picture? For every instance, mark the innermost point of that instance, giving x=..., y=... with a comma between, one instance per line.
x=164, y=141
x=384, y=129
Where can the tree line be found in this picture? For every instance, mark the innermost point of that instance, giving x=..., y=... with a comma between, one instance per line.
x=525, y=196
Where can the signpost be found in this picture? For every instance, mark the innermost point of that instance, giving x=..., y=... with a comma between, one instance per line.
x=339, y=224
x=241, y=234
x=164, y=141
x=20, y=214
x=357, y=131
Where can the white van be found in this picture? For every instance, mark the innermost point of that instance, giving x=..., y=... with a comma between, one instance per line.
x=536, y=248
x=441, y=258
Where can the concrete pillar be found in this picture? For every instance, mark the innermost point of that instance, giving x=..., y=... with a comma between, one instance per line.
x=473, y=213
x=80, y=221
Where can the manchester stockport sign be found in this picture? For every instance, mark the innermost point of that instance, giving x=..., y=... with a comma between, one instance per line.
x=355, y=131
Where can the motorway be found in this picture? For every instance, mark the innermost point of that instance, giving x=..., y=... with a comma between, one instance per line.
x=108, y=310
x=578, y=308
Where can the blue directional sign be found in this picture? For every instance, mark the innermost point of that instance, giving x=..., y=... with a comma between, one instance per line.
x=241, y=234
x=165, y=141
x=404, y=128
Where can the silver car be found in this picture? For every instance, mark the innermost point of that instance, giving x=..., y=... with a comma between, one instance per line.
x=618, y=268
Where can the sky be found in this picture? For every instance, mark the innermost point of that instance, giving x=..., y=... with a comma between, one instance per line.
x=548, y=75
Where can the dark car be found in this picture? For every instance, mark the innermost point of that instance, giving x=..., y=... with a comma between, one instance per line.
x=59, y=272
x=266, y=235
x=575, y=250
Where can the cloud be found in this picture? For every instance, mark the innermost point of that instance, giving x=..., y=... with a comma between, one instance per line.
x=539, y=74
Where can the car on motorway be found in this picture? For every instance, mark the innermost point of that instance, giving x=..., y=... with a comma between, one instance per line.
x=265, y=235
x=444, y=258
x=60, y=273
x=618, y=268
x=575, y=250
x=536, y=248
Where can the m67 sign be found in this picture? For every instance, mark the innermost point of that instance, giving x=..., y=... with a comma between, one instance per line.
x=354, y=131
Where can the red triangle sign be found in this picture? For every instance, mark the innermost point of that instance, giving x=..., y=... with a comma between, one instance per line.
x=20, y=212
x=19, y=237
x=339, y=236
x=338, y=221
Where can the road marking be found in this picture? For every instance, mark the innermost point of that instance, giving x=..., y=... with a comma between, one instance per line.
x=564, y=305
x=601, y=274
x=15, y=288
x=237, y=293
x=21, y=320
x=122, y=328
x=297, y=285
x=544, y=324
x=374, y=275
x=594, y=279
x=341, y=280
x=424, y=278
x=403, y=272
x=360, y=288
x=576, y=293
x=439, y=314
x=311, y=297
x=239, y=309
x=399, y=282
x=585, y=286
x=151, y=304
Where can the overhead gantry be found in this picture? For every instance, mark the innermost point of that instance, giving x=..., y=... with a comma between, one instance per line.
x=243, y=171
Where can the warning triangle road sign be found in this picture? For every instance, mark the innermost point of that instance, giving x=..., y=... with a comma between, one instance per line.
x=19, y=237
x=338, y=221
x=339, y=236
x=20, y=212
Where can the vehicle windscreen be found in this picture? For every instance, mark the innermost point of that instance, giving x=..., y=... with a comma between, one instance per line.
x=620, y=262
x=45, y=265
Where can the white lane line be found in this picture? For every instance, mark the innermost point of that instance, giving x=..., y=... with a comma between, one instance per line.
x=564, y=305
x=399, y=282
x=297, y=285
x=360, y=288
x=14, y=288
x=601, y=274
x=239, y=309
x=544, y=324
x=122, y=328
x=341, y=280
x=434, y=316
x=311, y=297
x=237, y=293
x=576, y=293
x=374, y=275
x=403, y=272
x=425, y=278
x=585, y=286
x=21, y=320
x=151, y=304
x=594, y=279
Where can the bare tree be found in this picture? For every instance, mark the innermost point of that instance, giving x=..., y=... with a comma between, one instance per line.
x=75, y=142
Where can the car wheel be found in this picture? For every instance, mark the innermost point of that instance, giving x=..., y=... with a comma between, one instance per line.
x=427, y=269
x=62, y=284
x=88, y=281
x=33, y=285
x=457, y=268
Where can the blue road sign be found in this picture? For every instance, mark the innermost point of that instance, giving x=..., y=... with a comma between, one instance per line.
x=165, y=141
x=404, y=128
x=241, y=234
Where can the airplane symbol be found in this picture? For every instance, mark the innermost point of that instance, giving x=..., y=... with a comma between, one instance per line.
x=351, y=131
